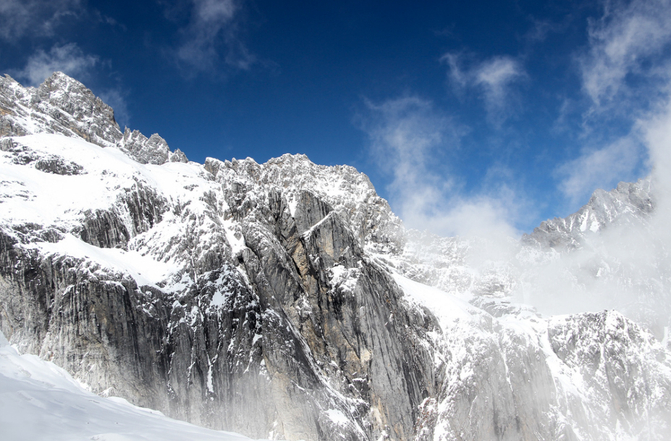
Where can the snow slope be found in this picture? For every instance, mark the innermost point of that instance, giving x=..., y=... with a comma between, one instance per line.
x=40, y=401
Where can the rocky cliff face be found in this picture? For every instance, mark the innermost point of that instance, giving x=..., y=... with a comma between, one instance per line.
x=284, y=300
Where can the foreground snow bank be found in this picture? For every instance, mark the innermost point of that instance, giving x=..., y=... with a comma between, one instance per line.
x=40, y=401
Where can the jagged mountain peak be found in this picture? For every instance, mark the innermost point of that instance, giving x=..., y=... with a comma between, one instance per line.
x=348, y=191
x=74, y=97
x=627, y=203
x=65, y=106
x=59, y=105
x=152, y=150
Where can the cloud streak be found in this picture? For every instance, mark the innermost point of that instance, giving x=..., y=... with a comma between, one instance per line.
x=621, y=44
x=657, y=134
x=493, y=79
x=69, y=59
x=407, y=136
x=601, y=168
x=623, y=69
x=212, y=36
x=22, y=18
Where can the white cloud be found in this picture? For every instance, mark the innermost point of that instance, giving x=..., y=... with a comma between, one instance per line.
x=624, y=68
x=68, y=59
x=458, y=77
x=600, y=168
x=404, y=132
x=541, y=29
x=496, y=74
x=620, y=44
x=214, y=11
x=407, y=136
x=19, y=18
x=489, y=216
x=493, y=78
x=213, y=29
x=657, y=135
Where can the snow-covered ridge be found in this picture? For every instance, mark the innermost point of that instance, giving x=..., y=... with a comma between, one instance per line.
x=104, y=178
x=64, y=105
x=628, y=204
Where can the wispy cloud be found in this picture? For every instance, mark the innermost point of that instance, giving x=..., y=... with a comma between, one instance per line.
x=69, y=59
x=458, y=77
x=407, y=136
x=212, y=35
x=621, y=45
x=493, y=78
x=404, y=133
x=623, y=70
x=541, y=29
x=656, y=131
x=20, y=18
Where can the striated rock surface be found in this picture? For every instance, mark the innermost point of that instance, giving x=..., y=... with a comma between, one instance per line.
x=286, y=301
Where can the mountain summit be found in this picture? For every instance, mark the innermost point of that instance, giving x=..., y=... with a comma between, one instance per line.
x=64, y=105
x=285, y=300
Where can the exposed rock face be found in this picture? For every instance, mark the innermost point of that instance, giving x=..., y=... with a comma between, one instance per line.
x=349, y=192
x=277, y=300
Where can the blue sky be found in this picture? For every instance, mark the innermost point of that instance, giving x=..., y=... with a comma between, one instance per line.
x=484, y=115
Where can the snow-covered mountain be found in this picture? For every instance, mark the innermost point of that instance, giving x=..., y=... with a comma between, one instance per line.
x=629, y=204
x=285, y=300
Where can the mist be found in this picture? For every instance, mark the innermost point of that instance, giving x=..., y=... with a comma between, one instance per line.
x=627, y=265
x=624, y=264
